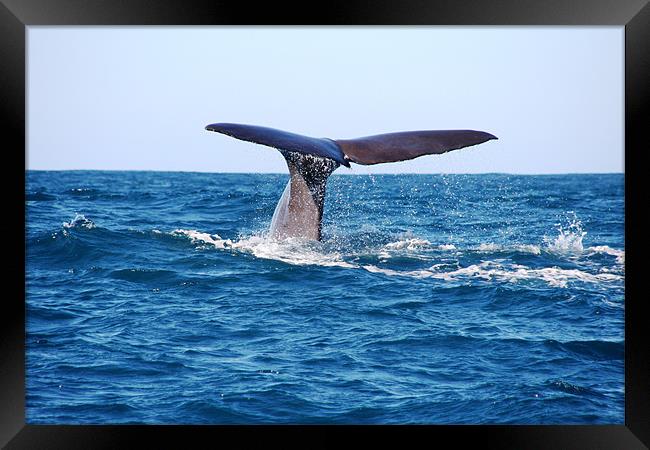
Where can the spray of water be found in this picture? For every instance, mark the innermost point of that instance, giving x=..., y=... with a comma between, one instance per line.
x=569, y=238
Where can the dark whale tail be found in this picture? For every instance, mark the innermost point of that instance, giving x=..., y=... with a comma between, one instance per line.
x=312, y=160
x=282, y=140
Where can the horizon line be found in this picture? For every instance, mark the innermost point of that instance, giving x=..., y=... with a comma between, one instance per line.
x=333, y=174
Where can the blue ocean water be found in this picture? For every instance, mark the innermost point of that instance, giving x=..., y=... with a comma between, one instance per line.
x=433, y=299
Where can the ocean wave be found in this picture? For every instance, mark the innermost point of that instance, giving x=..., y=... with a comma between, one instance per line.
x=418, y=244
x=92, y=194
x=337, y=253
x=571, y=388
x=408, y=249
x=142, y=275
x=607, y=250
x=596, y=349
x=199, y=237
x=82, y=191
x=291, y=251
x=513, y=273
x=409, y=244
x=79, y=221
x=299, y=252
x=39, y=196
x=519, y=248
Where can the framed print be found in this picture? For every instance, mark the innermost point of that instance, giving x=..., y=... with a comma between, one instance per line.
x=358, y=218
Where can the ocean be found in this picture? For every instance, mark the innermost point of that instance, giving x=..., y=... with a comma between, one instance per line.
x=156, y=298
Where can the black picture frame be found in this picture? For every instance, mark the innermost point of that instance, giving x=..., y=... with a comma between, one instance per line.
x=16, y=15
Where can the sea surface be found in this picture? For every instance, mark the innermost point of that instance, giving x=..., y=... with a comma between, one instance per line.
x=156, y=297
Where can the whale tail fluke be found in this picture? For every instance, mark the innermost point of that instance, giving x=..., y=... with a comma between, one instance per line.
x=393, y=147
x=381, y=148
x=312, y=160
x=282, y=140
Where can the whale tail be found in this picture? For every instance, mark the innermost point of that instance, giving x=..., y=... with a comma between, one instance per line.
x=312, y=160
x=299, y=212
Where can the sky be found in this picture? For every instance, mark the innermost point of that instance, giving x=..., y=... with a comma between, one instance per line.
x=138, y=98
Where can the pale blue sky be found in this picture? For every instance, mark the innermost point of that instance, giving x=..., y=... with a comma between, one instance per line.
x=138, y=98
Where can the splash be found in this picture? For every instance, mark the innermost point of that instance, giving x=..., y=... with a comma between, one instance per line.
x=79, y=221
x=569, y=239
x=291, y=251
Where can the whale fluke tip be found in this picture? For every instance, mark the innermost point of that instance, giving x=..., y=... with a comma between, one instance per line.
x=282, y=140
x=213, y=127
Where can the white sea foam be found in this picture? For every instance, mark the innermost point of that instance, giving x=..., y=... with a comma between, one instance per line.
x=408, y=244
x=414, y=244
x=79, y=221
x=620, y=254
x=489, y=247
x=300, y=252
x=490, y=270
x=528, y=248
x=205, y=238
x=521, y=248
x=291, y=251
